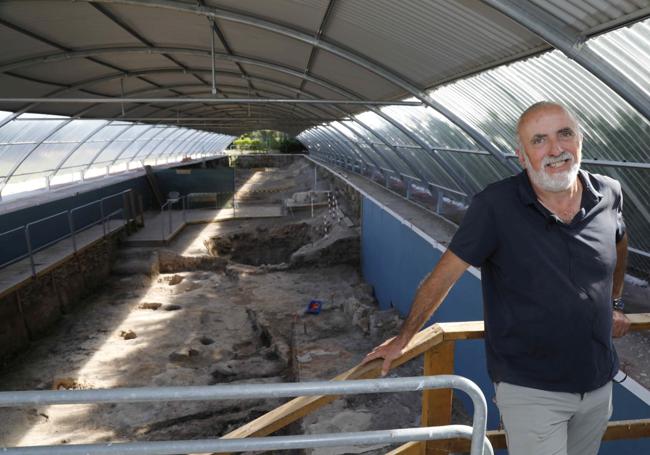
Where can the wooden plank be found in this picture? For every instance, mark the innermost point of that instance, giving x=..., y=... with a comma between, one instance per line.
x=411, y=448
x=640, y=321
x=462, y=330
x=627, y=429
x=469, y=330
x=299, y=407
x=436, y=403
x=616, y=430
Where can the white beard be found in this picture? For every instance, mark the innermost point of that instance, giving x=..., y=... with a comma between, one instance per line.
x=553, y=183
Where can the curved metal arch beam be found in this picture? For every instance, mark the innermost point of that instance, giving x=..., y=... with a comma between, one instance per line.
x=163, y=150
x=309, y=140
x=329, y=137
x=554, y=32
x=135, y=139
x=399, y=156
x=77, y=147
x=308, y=110
x=390, y=164
x=257, y=62
x=470, y=187
x=221, y=108
x=336, y=147
x=32, y=150
x=460, y=181
x=335, y=126
x=355, y=58
x=323, y=135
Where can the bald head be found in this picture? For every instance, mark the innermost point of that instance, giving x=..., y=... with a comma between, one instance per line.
x=538, y=107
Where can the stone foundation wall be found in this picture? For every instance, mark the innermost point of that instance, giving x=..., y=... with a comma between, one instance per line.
x=263, y=160
x=28, y=312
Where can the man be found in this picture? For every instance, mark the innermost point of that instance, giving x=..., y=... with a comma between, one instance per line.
x=552, y=248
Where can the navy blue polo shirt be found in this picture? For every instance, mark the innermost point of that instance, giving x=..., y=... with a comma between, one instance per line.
x=547, y=285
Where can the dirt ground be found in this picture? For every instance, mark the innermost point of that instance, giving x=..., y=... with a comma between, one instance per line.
x=223, y=304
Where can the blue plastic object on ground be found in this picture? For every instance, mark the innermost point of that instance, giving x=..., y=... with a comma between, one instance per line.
x=314, y=307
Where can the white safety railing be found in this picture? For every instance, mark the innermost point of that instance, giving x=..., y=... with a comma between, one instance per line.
x=480, y=445
x=103, y=218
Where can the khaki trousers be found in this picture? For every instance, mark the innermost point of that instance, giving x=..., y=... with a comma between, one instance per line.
x=538, y=422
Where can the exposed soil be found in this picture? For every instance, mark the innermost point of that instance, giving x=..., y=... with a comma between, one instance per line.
x=224, y=304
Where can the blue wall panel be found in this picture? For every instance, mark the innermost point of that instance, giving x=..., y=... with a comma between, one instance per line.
x=14, y=245
x=395, y=259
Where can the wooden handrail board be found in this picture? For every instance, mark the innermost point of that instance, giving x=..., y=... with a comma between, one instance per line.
x=301, y=406
x=640, y=321
x=475, y=329
x=423, y=341
x=462, y=330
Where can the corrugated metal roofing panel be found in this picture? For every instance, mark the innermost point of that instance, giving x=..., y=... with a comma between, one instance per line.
x=629, y=50
x=592, y=15
x=428, y=40
x=66, y=23
x=249, y=41
x=307, y=14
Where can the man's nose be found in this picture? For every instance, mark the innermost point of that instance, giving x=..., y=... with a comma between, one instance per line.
x=555, y=147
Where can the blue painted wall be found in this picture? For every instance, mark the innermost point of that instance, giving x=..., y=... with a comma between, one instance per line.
x=14, y=245
x=184, y=181
x=394, y=259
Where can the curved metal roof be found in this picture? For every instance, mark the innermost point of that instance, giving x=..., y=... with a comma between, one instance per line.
x=374, y=49
x=167, y=78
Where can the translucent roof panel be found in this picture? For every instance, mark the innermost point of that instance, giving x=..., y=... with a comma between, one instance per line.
x=430, y=126
x=493, y=100
x=43, y=148
x=27, y=131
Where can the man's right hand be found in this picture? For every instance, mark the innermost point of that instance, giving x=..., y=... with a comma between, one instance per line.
x=389, y=350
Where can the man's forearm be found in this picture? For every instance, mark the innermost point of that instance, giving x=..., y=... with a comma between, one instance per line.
x=432, y=291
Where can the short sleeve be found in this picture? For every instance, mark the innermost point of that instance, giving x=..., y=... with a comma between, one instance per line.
x=618, y=207
x=476, y=238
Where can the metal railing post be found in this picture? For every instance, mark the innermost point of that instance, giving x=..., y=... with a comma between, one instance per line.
x=439, y=202
x=72, y=233
x=101, y=214
x=29, y=250
x=162, y=223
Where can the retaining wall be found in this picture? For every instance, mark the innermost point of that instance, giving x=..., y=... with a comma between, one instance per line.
x=28, y=312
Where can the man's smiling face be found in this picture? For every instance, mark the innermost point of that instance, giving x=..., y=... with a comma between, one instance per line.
x=551, y=147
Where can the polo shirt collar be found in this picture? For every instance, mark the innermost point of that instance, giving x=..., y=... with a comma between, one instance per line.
x=528, y=196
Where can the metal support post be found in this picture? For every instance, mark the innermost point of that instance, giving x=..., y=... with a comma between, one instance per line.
x=101, y=214
x=72, y=233
x=439, y=202
x=29, y=250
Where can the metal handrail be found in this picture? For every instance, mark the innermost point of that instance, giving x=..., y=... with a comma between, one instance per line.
x=71, y=229
x=169, y=204
x=480, y=445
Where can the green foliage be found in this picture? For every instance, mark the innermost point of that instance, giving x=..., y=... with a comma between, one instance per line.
x=266, y=141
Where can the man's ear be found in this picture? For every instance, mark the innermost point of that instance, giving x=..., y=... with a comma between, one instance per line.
x=520, y=156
